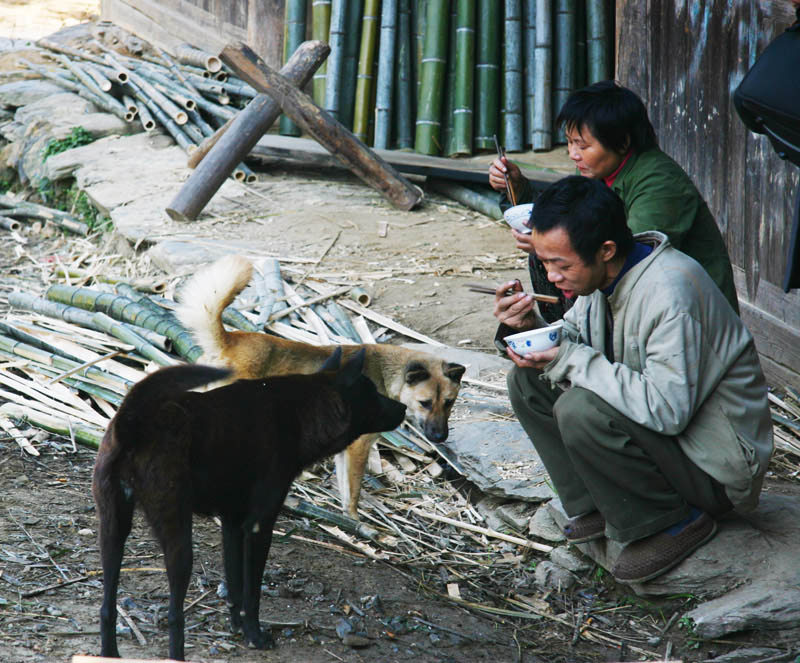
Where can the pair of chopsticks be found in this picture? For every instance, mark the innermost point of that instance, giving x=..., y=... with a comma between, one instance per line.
x=488, y=290
x=509, y=191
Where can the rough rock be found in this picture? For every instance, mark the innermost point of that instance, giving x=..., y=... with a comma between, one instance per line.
x=500, y=459
x=747, y=655
x=760, y=606
x=24, y=93
x=566, y=558
x=517, y=514
x=55, y=105
x=543, y=526
x=552, y=576
x=487, y=506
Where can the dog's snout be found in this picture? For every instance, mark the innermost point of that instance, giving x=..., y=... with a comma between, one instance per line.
x=436, y=433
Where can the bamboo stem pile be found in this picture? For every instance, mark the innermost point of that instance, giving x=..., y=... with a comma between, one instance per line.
x=189, y=95
x=450, y=75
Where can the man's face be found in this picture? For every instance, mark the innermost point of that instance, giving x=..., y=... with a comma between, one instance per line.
x=566, y=270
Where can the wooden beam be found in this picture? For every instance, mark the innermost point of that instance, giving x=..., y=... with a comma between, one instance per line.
x=322, y=127
x=233, y=142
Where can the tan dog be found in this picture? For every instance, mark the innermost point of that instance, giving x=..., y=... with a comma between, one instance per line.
x=425, y=384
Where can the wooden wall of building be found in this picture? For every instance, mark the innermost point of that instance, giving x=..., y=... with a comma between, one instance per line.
x=685, y=59
x=206, y=24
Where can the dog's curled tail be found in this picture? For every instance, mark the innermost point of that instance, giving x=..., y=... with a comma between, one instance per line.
x=205, y=297
x=147, y=396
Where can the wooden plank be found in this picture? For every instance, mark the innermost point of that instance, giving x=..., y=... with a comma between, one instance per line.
x=309, y=151
x=265, y=30
x=778, y=345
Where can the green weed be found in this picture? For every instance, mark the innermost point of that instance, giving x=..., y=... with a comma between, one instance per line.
x=77, y=137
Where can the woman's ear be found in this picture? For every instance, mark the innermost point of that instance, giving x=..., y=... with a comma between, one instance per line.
x=627, y=145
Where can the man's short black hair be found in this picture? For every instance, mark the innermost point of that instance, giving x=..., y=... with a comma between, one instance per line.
x=590, y=213
x=614, y=114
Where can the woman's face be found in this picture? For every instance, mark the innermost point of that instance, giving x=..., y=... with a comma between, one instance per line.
x=591, y=158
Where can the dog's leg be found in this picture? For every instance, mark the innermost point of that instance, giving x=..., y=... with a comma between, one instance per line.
x=115, y=512
x=354, y=462
x=257, y=540
x=233, y=556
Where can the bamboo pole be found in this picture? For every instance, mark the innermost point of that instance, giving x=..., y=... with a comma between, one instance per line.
x=597, y=41
x=404, y=84
x=386, y=74
x=465, y=74
x=294, y=34
x=194, y=56
x=24, y=209
x=84, y=435
x=450, y=85
x=529, y=41
x=352, y=48
x=322, y=127
x=418, y=24
x=241, y=136
x=105, y=100
x=167, y=122
x=366, y=59
x=564, y=77
x=428, y=124
x=466, y=196
x=333, y=78
x=320, y=31
x=175, y=69
x=543, y=58
x=97, y=76
x=487, y=73
x=9, y=224
x=512, y=77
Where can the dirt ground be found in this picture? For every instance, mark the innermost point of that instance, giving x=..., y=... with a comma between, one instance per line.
x=315, y=590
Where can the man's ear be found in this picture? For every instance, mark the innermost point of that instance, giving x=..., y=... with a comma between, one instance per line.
x=608, y=250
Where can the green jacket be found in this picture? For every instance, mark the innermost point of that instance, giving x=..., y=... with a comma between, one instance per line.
x=659, y=195
x=685, y=366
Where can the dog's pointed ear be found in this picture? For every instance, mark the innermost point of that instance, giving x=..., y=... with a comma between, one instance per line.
x=352, y=369
x=416, y=372
x=333, y=362
x=454, y=371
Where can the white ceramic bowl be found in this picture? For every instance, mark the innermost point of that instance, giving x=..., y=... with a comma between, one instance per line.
x=535, y=340
x=518, y=216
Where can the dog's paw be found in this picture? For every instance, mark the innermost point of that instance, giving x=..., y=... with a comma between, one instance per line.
x=258, y=638
x=236, y=620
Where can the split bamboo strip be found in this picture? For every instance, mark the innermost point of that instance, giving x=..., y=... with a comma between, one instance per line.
x=564, y=78
x=386, y=74
x=87, y=436
x=294, y=34
x=366, y=59
x=597, y=41
x=47, y=405
x=307, y=314
x=17, y=436
x=391, y=324
x=344, y=320
x=80, y=384
x=404, y=87
x=320, y=31
x=363, y=330
x=464, y=77
x=543, y=58
x=513, y=122
x=352, y=47
x=487, y=73
x=432, y=73
x=529, y=48
x=333, y=78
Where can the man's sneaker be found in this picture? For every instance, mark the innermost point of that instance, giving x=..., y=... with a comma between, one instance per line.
x=650, y=557
x=585, y=528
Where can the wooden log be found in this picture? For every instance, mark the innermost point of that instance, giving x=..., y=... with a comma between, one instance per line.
x=234, y=143
x=322, y=127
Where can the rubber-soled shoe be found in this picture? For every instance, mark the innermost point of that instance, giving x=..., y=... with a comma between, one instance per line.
x=585, y=528
x=648, y=558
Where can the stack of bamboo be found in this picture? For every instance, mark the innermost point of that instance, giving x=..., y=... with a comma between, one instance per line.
x=190, y=95
x=449, y=75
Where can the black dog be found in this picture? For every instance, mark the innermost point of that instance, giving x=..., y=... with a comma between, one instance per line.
x=232, y=452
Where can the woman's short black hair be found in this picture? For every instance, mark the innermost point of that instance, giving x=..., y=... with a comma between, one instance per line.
x=590, y=213
x=614, y=114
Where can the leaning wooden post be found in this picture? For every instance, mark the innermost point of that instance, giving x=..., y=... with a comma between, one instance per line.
x=233, y=141
x=327, y=131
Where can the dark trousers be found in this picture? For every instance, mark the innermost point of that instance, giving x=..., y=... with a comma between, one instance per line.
x=640, y=480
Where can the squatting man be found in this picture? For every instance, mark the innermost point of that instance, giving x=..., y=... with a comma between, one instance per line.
x=651, y=416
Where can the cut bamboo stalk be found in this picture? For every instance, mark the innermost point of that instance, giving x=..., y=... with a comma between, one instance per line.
x=243, y=133
x=194, y=56
x=130, y=104
x=466, y=196
x=487, y=73
x=47, y=405
x=320, y=31
x=564, y=77
x=51, y=45
x=269, y=287
x=428, y=124
x=18, y=437
x=386, y=71
x=175, y=69
x=361, y=296
x=326, y=130
x=166, y=121
x=529, y=40
x=405, y=92
x=352, y=47
x=319, y=327
x=543, y=58
x=294, y=34
x=10, y=207
x=333, y=79
x=148, y=123
x=97, y=76
x=512, y=77
x=87, y=436
x=9, y=224
x=302, y=508
x=363, y=330
x=105, y=100
x=597, y=41
x=366, y=58
x=17, y=334
x=464, y=77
